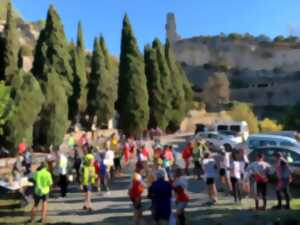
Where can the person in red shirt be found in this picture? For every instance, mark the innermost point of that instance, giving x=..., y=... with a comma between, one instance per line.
x=182, y=198
x=186, y=155
x=126, y=153
x=135, y=193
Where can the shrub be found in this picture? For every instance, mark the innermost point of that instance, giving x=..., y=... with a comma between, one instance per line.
x=268, y=125
x=244, y=112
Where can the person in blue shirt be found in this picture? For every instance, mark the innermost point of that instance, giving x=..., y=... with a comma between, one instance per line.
x=160, y=193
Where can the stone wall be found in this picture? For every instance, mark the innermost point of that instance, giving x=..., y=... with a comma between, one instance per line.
x=274, y=94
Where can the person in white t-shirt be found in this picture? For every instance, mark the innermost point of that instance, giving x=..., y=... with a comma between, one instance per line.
x=224, y=172
x=109, y=161
x=210, y=171
x=235, y=177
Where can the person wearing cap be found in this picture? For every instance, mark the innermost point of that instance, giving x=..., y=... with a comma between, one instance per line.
x=283, y=175
x=43, y=182
x=160, y=193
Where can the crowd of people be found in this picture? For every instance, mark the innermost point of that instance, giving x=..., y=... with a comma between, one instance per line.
x=94, y=163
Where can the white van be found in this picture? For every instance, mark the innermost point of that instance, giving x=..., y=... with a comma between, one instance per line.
x=262, y=140
x=238, y=128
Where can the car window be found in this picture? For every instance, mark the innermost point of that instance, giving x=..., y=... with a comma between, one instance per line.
x=269, y=154
x=222, y=128
x=235, y=128
x=267, y=143
x=253, y=143
x=286, y=143
x=290, y=155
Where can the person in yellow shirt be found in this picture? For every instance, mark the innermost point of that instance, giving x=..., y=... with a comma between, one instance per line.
x=43, y=182
x=88, y=180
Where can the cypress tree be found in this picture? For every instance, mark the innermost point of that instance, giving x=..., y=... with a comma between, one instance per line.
x=27, y=105
x=53, y=70
x=178, y=102
x=100, y=93
x=73, y=100
x=81, y=70
x=157, y=76
x=52, y=52
x=10, y=47
x=132, y=104
x=112, y=77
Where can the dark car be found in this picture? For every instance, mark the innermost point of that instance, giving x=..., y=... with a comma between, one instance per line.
x=290, y=153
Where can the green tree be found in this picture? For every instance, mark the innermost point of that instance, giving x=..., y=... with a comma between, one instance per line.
x=52, y=52
x=244, y=112
x=6, y=106
x=216, y=90
x=10, y=47
x=27, y=105
x=113, y=75
x=181, y=91
x=159, y=85
x=291, y=120
x=100, y=91
x=53, y=70
x=132, y=104
x=53, y=123
x=81, y=71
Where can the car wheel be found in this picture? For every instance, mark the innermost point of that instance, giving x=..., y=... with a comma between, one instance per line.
x=228, y=147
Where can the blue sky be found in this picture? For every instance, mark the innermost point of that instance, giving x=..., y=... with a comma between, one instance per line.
x=148, y=17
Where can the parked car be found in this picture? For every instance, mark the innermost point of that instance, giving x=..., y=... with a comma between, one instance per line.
x=261, y=140
x=286, y=133
x=216, y=140
x=292, y=154
x=239, y=127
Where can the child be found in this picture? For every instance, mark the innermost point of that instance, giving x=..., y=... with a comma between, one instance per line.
x=182, y=198
x=210, y=168
x=135, y=193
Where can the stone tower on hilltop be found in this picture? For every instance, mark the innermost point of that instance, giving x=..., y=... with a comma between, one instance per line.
x=171, y=29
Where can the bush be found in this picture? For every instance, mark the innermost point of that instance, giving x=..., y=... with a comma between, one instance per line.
x=268, y=125
x=244, y=112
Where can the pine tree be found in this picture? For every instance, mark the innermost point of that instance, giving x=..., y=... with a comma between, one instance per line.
x=10, y=47
x=100, y=94
x=52, y=52
x=53, y=70
x=27, y=105
x=132, y=101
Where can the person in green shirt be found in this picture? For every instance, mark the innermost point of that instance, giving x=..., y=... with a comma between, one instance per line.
x=88, y=180
x=43, y=182
x=197, y=156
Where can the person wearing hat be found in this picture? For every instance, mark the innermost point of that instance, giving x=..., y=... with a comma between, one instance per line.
x=283, y=175
x=43, y=182
x=160, y=193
